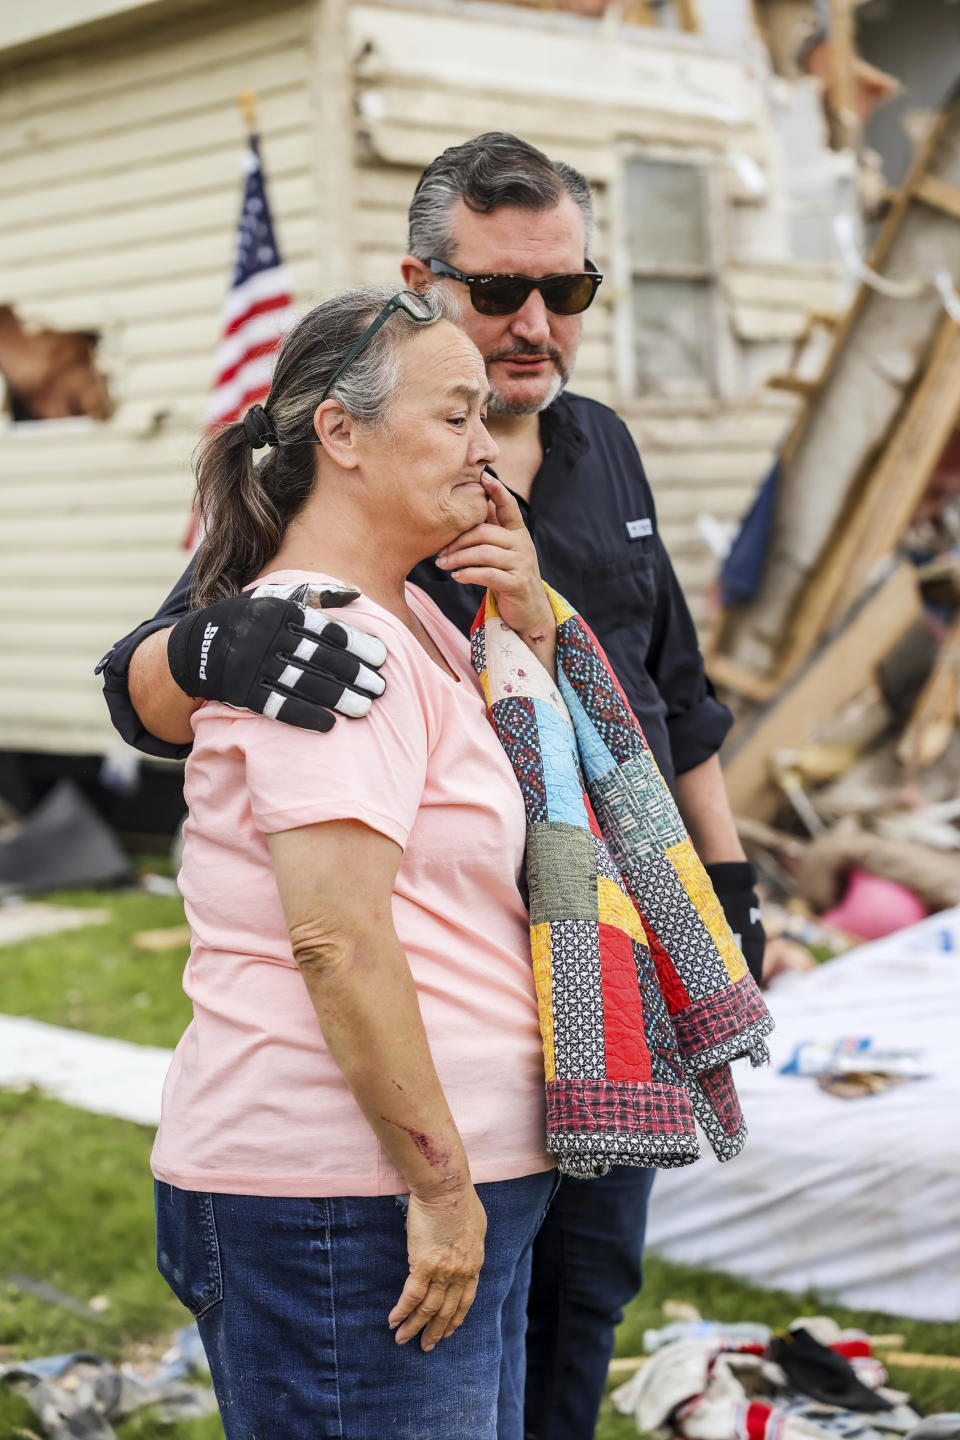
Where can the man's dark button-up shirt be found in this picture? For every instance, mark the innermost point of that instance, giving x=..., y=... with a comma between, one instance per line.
x=592, y=518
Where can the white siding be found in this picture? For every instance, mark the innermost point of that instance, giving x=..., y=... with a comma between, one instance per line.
x=707, y=463
x=119, y=191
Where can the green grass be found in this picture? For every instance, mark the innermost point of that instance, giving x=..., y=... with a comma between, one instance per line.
x=76, y=1206
x=76, y=1212
x=95, y=979
x=17, y=1420
x=76, y=1202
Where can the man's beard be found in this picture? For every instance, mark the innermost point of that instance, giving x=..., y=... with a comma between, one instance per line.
x=499, y=404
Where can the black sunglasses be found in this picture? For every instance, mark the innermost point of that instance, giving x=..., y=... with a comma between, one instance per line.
x=504, y=294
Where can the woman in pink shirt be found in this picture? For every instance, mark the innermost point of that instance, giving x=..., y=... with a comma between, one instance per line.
x=351, y=1154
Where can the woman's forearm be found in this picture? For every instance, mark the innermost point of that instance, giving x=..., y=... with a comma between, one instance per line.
x=367, y=1006
x=359, y=981
x=336, y=881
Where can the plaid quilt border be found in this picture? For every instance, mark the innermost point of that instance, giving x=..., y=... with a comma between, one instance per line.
x=723, y=1027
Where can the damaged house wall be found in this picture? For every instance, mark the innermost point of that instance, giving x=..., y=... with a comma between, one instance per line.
x=50, y=374
x=119, y=180
x=119, y=183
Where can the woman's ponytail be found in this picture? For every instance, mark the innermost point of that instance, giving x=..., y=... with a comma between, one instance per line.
x=242, y=527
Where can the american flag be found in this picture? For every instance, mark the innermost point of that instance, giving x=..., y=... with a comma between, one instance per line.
x=256, y=313
x=258, y=308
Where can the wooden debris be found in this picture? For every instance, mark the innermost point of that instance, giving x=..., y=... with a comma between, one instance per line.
x=758, y=832
x=935, y=717
x=864, y=446
x=842, y=53
x=171, y=938
x=627, y=1364
x=911, y=1361
x=883, y=1345
x=844, y=667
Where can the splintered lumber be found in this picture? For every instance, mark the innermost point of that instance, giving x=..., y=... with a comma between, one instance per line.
x=688, y=13
x=935, y=715
x=867, y=439
x=841, y=669
x=795, y=384
x=910, y=1360
x=170, y=938
x=626, y=1364
x=842, y=57
x=901, y=476
x=889, y=497
x=887, y=1346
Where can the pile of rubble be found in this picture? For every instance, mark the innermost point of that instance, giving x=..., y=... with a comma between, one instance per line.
x=838, y=641
x=707, y=1381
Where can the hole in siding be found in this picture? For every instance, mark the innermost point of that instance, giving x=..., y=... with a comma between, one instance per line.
x=50, y=374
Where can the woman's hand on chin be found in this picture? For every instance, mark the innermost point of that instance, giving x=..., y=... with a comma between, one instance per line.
x=499, y=554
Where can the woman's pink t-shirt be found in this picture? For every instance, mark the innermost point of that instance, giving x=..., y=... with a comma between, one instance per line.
x=253, y=1102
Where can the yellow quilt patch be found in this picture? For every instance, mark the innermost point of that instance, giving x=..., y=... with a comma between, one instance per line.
x=561, y=609
x=543, y=979
x=614, y=908
x=688, y=866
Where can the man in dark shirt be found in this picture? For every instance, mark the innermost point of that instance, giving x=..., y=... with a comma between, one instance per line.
x=491, y=211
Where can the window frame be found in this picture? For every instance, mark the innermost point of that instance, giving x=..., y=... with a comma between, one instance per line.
x=720, y=360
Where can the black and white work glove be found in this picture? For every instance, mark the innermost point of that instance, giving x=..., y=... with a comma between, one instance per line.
x=275, y=651
x=734, y=882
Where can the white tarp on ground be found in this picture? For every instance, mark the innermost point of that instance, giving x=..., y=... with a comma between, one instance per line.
x=857, y=1198
x=94, y=1072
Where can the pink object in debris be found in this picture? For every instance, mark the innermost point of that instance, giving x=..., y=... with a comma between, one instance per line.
x=874, y=907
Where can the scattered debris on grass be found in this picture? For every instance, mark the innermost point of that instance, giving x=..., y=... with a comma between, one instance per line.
x=80, y=1394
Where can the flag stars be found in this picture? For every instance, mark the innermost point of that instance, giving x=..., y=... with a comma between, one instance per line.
x=256, y=243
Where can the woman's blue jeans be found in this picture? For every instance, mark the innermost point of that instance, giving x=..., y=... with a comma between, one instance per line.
x=292, y=1298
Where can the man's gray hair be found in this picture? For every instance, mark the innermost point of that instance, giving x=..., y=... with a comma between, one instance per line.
x=489, y=171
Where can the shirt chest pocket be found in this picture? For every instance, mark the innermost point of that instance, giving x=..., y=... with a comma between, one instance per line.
x=619, y=594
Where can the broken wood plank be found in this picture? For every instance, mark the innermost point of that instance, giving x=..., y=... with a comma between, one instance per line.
x=876, y=361
x=913, y=1361
x=936, y=192
x=842, y=57
x=900, y=479
x=626, y=1364
x=794, y=384
x=758, y=832
x=886, y=502
x=935, y=714
x=842, y=668
x=731, y=676
x=688, y=13
x=170, y=938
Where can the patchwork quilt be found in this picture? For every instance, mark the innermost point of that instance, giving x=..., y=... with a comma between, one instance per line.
x=644, y=998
